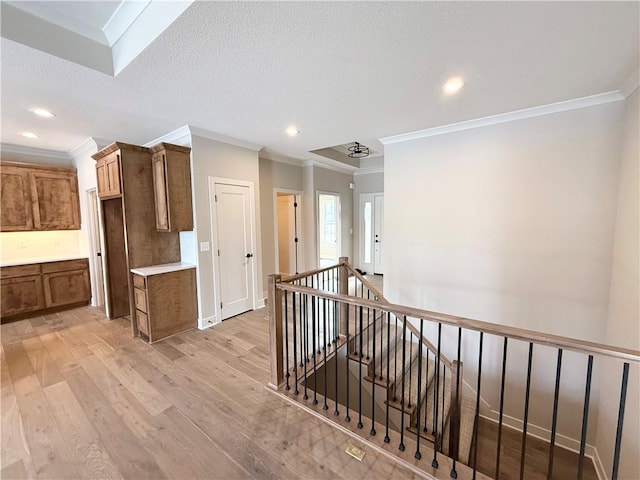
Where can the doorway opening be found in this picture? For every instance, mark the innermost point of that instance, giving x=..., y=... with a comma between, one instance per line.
x=95, y=249
x=328, y=229
x=288, y=232
x=371, y=232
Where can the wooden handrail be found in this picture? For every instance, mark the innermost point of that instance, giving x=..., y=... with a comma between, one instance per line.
x=516, y=333
x=411, y=327
x=308, y=273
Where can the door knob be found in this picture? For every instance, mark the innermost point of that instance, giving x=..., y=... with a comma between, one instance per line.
x=249, y=255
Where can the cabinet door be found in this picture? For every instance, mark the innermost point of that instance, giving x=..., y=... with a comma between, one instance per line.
x=55, y=200
x=160, y=189
x=112, y=164
x=21, y=295
x=15, y=207
x=65, y=288
x=103, y=180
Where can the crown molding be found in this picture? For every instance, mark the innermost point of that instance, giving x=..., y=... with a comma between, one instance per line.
x=179, y=136
x=631, y=84
x=224, y=139
x=551, y=108
x=330, y=165
x=35, y=152
x=368, y=171
x=89, y=146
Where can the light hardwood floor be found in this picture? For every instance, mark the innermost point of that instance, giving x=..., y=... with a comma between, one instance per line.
x=82, y=399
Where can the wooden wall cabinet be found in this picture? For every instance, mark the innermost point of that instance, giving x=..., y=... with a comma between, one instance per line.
x=109, y=178
x=38, y=197
x=172, y=187
x=15, y=208
x=165, y=301
x=41, y=287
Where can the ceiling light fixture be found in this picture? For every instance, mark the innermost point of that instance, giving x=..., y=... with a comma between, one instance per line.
x=29, y=135
x=42, y=112
x=453, y=85
x=358, y=151
x=292, y=131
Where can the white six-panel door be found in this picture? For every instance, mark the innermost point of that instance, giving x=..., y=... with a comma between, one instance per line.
x=234, y=245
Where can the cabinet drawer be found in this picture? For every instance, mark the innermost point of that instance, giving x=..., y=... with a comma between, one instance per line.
x=139, y=282
x=19, y=271
x=65, y=265
x=143, y=322
x=140, y=299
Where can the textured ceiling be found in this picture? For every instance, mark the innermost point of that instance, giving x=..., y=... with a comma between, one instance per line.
x=337, y=71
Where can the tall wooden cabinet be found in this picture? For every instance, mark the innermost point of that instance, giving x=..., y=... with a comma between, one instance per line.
x=38, y=197
x=127, y=197
x=172, y=187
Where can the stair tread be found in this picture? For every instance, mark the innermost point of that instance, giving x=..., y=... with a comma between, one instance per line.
x=411, y=385
x=443, y=408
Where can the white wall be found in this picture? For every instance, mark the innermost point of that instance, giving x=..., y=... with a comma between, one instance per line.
x=512, y=224
x=211, y=158
x=623, y=321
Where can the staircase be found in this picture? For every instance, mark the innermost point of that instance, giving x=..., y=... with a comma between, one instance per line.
x=404, y=374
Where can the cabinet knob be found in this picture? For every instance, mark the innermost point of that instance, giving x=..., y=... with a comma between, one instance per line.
x=249, y=255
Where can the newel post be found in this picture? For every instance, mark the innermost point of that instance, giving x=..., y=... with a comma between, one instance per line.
x=274, y=301
x=343, y=289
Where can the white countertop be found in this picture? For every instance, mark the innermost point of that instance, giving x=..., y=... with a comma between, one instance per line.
x=31, y=261
x=164, y=268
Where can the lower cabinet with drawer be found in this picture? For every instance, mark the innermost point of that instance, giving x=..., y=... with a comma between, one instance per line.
x=38, y=288
x=165, y=301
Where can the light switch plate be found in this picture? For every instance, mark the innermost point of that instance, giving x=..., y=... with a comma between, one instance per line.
x=204, y=246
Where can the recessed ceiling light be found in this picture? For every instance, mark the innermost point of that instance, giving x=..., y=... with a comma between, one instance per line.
x=453, y=85
x=29, y=135
x=292, y=131
x=42, y=112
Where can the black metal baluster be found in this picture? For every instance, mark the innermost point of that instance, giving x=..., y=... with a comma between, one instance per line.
x=335, y=357
x=477, y=414
x=456, y=446
x=418, y=455
x=442, y=418
x=347, y=418
x=306, y=342
x=368, y=327
x=373, y=380
x=404, y=355
x=395, y=364
x=410, y=369
x=623, y=399
x=325, y=405
x=426, y=395
x=554, y=420
x=526, y=412
x=434, y=463
x=386, y=436
x=360, y=375
x=301, y=328
x=315, y=357
x=286, y=338
x=295, y=344
x=585, y=417
x=501, y=414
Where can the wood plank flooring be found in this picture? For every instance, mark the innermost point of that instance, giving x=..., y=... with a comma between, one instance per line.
x=82, y=399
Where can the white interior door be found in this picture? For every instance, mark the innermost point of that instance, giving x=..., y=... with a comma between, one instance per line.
x=97, y=280
x=378, y=223
x=235, y=251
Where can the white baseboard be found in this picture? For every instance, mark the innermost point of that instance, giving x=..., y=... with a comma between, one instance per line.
x=261, y=302
x=544, y=435
x=204, y=323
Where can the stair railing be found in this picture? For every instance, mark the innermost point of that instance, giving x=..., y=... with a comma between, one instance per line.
x=318, y=320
